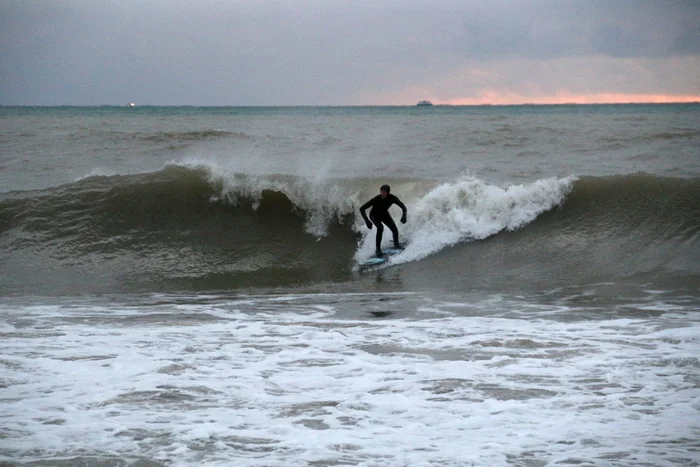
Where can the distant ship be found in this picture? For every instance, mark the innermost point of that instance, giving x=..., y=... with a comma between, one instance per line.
x=424, y=103
x=131, y=104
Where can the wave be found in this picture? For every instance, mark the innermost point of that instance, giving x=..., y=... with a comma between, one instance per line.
x=202, y=227
x=684, y=133
x=183, y=195
x=168, y=136
x=471, y=209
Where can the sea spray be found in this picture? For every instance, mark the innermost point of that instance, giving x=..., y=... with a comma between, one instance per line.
x=322, y=201
x=470, y=209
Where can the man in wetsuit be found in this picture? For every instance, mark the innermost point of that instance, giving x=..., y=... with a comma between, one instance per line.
x=379, y=214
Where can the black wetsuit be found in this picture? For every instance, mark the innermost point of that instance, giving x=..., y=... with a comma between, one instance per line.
x=380, y=214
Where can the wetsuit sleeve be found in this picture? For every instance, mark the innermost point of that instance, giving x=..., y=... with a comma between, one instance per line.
x=365, y=206
x=398, y=202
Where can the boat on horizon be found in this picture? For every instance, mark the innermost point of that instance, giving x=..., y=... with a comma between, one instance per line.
x=424, y=103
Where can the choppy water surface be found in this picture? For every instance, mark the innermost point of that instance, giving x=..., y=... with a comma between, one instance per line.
x=179, y=286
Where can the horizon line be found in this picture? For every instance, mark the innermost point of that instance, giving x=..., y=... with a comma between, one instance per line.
x=523, y=104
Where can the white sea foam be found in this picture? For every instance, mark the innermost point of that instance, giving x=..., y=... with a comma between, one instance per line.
x=469, y=209
x=324, y=200
x=97, y=172
x=287, y=381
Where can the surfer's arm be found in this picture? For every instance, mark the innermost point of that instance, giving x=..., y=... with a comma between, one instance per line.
x=398, y=202
x=362, y=211
x=364, y=207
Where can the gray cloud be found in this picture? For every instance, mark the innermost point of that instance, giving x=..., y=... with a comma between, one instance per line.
x=249, y=52
x=545, y=30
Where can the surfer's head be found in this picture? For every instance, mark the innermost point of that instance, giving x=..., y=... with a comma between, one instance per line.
x=384, y=190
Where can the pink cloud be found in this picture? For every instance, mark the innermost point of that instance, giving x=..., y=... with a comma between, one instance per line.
x=506, y=98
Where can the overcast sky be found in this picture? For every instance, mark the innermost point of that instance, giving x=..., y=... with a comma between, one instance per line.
x=351, y=52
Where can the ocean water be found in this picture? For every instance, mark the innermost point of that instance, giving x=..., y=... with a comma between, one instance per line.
x=179, y=286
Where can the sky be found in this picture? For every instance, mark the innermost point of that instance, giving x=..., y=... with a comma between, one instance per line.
x=348, y=52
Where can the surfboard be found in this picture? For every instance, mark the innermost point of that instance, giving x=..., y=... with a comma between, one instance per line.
x=376, y=261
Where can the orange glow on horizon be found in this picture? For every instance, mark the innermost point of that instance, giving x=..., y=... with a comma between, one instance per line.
x=498, y=98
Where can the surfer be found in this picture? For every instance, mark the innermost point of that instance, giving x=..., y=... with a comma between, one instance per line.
x=379, y=214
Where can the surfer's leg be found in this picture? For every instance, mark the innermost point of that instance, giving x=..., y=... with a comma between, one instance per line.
x=380, y=230
x=394, y=230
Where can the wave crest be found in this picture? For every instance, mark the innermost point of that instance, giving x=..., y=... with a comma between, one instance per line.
x=471, y=209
